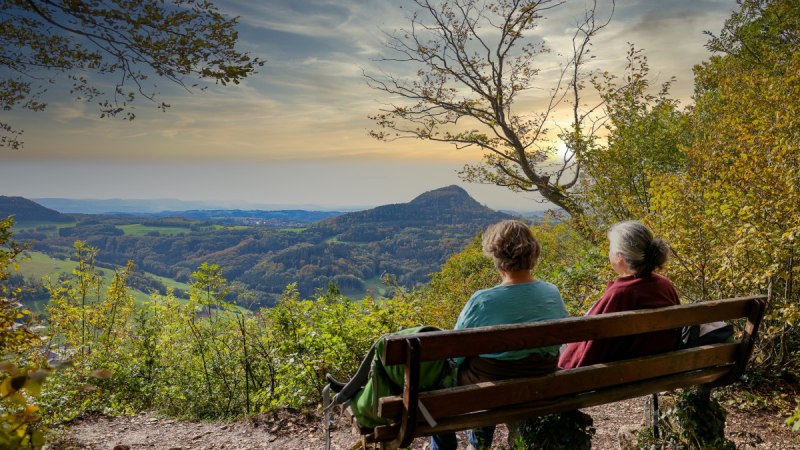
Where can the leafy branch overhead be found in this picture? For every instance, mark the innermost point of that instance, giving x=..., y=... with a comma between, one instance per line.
x=476, y=63
x=122, y=43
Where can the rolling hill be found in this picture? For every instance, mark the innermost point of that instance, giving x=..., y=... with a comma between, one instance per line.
x=355, y=250
x=25, y=210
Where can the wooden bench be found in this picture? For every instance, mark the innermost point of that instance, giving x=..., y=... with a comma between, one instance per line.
x=425, y=413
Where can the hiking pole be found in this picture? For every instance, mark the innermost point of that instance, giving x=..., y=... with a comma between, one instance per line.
x=328, y=419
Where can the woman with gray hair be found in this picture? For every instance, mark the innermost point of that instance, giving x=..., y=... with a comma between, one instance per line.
x=634, y=254
x=519, y=298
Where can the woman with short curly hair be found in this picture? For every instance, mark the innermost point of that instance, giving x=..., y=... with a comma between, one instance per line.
x=519, y=298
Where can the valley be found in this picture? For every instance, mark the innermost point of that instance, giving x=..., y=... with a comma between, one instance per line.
x=362, y=253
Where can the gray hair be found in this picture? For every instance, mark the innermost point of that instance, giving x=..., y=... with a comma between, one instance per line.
x=635, y=243
x=511, y=246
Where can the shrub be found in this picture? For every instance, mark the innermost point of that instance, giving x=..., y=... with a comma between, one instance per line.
x=571, y=430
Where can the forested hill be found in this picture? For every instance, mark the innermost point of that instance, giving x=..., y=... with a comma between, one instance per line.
x=26, y=210
x=448, y=205
x=408, y=241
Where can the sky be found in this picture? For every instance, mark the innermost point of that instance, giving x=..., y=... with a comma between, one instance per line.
x=296, y=133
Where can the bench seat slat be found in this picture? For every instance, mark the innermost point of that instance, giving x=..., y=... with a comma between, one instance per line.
x=593, y=398
x=439, y=345
x=489, y=395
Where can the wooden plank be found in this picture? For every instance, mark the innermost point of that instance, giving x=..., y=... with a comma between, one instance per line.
x=489, y=395
x=476, y=341
x=566, y=403
x=410, y=395
x=593, y=398
x=747, y=342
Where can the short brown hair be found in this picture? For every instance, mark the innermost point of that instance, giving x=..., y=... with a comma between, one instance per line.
x=511, y=245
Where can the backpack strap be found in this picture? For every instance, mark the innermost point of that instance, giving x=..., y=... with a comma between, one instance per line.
x=357, y=381
x=345, y=393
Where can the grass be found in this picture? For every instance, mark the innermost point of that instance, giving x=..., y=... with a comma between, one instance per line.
x=170, y=283
x=39, y=265
x=376, y=285
x=231, y=227
x=137, y=229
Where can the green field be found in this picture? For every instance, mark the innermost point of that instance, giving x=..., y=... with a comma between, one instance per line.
x=375, y=285
x=230, y=227
x=294, y=229
x=137, y=229
x=38, y=265
x=170, y=283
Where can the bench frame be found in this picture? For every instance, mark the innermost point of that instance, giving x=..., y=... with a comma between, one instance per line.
x=425, y=413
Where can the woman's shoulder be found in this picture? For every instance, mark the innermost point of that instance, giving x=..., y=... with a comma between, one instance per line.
x=484, y=295
x=628, y=292
x=661, y=279
x=638, y=282
x=537, y=287
x=509, y=292
x=545, y=286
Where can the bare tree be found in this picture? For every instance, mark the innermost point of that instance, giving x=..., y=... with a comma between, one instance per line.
x=475, y=60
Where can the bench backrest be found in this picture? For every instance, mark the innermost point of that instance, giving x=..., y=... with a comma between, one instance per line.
x=500, y=401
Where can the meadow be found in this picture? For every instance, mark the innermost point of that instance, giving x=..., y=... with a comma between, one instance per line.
x=40, y=266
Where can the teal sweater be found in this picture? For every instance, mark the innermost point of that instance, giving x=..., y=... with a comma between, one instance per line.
x=512, y=304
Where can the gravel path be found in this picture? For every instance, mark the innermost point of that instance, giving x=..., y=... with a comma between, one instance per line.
x=295, y=430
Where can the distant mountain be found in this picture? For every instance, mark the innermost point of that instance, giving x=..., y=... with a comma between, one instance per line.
x=26, y=210
x=152, y=206
x=534, y=216
x=449, y=205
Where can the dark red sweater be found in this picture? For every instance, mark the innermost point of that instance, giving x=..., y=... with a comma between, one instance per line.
x=626, y=294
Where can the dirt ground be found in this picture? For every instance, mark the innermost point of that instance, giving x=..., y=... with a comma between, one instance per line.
x=295, y=430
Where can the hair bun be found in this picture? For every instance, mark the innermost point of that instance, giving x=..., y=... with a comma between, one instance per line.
x=640, y=250
x=657, y=253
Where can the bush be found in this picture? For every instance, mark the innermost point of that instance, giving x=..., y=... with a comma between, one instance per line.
x=695, y=422
x=571, y=430
x=794, y=420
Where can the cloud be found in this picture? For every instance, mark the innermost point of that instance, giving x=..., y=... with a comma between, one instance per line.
x=310, y=100
x=67, y=112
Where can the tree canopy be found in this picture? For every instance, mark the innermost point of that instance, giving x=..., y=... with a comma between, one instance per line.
x=109, y=50
x=646, y=137
x=474, y=62
x=732, y=214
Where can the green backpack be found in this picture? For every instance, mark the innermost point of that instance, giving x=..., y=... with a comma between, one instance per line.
x=388, y=380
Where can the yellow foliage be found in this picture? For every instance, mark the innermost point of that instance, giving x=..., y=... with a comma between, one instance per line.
x=732, y=216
